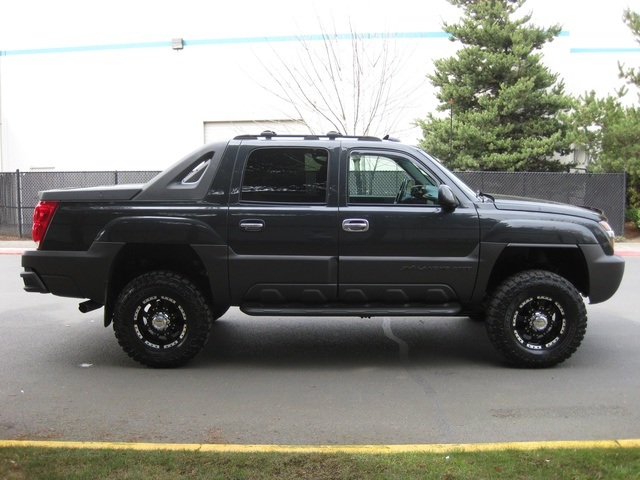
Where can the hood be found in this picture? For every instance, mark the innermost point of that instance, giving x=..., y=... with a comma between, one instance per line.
x=505, y=202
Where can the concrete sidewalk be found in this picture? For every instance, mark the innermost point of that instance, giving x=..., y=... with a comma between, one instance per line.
x=16, y=247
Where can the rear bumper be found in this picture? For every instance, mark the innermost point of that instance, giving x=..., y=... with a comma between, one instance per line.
x=70, y=274
x=33, y=282
x=605, y=273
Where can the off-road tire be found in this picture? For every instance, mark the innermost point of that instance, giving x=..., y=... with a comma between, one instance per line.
x=536, y=319
x=161, y=319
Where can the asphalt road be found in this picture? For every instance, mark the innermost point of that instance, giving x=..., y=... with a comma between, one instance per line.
x=311, y=380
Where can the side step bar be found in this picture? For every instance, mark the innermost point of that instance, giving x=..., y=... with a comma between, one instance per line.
x=341, y=310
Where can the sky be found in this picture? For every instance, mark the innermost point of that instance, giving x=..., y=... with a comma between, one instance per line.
x=28, y=24
x=48, y=81
x=46, y=24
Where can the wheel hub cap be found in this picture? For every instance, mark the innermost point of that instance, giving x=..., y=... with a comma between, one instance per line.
x=160, y=321
x=540, y=321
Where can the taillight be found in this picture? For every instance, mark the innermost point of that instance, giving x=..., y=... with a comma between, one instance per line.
x=42, y=215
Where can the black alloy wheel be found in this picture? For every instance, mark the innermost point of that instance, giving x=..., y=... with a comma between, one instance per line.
x=536, y=319
x=161, y=319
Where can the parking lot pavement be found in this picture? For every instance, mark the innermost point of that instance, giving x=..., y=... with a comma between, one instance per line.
x=311, y=381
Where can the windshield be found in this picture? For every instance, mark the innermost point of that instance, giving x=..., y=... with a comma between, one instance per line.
x=450, y=175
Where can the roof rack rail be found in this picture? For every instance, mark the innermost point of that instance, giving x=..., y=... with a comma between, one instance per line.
x=269, y=134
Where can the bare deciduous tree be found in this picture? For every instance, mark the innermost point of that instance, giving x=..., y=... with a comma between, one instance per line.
x=351, y=83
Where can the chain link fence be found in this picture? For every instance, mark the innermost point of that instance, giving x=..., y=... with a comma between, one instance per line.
x=606, y=191
x=19, y=192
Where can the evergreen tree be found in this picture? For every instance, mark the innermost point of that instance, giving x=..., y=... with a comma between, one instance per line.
x=505, y=101
x=632, y=20
x=610, y=132
x=590, y=121
x=622, y=146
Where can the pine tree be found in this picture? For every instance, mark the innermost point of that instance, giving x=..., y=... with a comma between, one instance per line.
x=505, y=101
x=631, y=75
x=610, y=132
x=623, y=143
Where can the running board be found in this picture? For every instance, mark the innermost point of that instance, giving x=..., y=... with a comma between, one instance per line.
x=340, y=310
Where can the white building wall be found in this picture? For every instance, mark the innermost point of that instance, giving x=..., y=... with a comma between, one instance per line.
x=95, y=85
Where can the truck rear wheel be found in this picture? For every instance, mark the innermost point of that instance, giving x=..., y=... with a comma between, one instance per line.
x=161, y=319
x=536, y=319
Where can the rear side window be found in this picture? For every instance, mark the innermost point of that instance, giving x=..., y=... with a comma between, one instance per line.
x=286, y=175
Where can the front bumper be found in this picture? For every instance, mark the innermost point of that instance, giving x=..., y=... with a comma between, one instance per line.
x=605, y=273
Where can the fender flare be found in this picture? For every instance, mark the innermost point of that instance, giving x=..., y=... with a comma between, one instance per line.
x=159, y=229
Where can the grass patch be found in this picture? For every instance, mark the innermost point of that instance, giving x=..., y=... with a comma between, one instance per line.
x=544, y=464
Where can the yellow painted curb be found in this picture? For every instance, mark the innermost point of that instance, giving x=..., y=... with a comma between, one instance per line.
x=373, y=449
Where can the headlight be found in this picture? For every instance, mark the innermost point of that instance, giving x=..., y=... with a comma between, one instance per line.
x=609, y=231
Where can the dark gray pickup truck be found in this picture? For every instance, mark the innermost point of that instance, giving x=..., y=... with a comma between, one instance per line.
x=320, y=225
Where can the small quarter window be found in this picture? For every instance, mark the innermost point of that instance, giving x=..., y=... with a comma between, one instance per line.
x=195, y=174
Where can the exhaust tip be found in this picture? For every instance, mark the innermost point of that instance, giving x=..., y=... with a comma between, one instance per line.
x=89, y=306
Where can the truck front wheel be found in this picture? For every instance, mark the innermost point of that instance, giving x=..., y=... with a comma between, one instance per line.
x=161, y=319
x=536, y=319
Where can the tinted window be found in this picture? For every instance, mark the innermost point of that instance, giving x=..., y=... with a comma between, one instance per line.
x=389, y=179
x=289, y=175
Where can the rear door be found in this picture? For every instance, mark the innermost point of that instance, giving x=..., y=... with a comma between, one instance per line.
x=397, y=245
x=283, y=235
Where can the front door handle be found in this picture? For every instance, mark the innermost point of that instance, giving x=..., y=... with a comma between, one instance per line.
x=355, y=225
x=251, y=225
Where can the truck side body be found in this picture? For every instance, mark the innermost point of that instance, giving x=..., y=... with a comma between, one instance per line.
x=303, y=225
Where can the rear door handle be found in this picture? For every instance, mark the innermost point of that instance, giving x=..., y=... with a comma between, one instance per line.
x=355, y=225
x=251, y=225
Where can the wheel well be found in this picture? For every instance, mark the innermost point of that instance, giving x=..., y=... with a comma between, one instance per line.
x=566, y=262
x=136, y=259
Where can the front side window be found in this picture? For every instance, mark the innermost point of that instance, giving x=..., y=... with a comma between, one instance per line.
x=286, y=175
x=389, y=179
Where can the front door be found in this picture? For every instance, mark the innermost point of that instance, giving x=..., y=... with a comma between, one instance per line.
x=397, y=245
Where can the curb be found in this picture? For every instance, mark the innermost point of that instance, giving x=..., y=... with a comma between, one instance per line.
x=628, y=253
x=14, y=251
x=371, y=449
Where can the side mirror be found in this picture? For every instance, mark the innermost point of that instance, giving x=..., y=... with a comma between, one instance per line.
x=446, y=198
